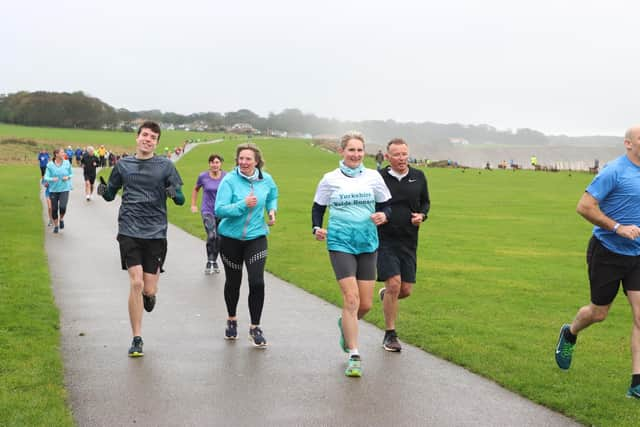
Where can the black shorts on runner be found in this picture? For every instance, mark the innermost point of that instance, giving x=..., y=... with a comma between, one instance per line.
x=607, y=269
x=91, y=177
x=396, y=261
x=361, y=266
x=149, y=253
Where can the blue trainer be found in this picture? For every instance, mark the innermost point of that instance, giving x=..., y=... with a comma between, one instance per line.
x=564, y=350
x=634, y=392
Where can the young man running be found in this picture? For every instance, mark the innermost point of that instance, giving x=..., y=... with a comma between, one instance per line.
x=399, y=237
x=147, y=181
x=612, y=204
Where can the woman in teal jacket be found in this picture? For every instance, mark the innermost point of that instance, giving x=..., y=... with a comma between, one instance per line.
x=243, y=197
x=58, y=175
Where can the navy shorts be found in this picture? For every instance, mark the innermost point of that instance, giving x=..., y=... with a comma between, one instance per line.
x=607, y=270
x=149, y=253
x=396, y=260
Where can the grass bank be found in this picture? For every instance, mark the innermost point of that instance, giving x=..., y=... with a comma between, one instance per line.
x=31, y=390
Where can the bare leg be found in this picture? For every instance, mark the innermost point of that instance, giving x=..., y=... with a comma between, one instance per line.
x=588, y=315
x=135, y=298
x=351, y=302
x=634, y=300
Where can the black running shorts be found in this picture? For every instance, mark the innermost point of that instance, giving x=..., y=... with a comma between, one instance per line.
x=91, y=177
x=149, y=253
x=607, y=269
x=361, y=266
x=396, y=260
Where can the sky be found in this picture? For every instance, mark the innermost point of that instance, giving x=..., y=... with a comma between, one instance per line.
x=560, y=67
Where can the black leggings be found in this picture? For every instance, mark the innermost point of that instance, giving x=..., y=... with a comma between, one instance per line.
x=213, y=240
x=254, y=255
x=59, y=201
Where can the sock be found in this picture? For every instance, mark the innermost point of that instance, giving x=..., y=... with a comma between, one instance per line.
x=569, y=336
x=635, y=380
x=389, y=331
x=354, y=352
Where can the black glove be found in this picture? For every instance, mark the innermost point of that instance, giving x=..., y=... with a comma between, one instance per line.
x=102, y=187
x=171, y=192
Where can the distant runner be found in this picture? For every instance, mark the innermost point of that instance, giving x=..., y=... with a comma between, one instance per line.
x=210, y=181
x=147, y=181
x=89, y=163
x=612, y=204
x=58, y=175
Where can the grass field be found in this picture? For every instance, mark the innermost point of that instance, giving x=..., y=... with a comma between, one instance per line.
x=501, y=266
x=31, y=385
x=15, y=150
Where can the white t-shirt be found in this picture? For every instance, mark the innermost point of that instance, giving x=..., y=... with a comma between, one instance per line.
x=351, y=202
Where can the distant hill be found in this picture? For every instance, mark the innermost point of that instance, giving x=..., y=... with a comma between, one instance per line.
x=468, y=144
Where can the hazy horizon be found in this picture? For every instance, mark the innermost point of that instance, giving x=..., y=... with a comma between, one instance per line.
x=562, y=68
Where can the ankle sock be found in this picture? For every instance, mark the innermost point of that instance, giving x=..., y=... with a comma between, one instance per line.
x=635, y=380
x=569, y=336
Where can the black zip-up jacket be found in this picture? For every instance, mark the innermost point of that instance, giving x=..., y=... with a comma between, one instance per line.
x=409, y=195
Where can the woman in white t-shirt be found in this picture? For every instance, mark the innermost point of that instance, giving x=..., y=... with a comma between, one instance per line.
x=357, y=198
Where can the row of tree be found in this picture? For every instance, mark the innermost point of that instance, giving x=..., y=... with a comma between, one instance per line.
x=78, y=110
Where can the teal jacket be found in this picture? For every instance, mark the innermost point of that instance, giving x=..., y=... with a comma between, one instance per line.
x=237, y=221
x=55, y=171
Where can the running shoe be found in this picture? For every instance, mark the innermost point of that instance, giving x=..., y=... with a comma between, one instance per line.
x=634, y=392
x=216, y=268
x=149, y=301
x=50, y=223
x=343, y=343
x=381, y=293
x=61, y=224
x=256, y=337
x=208, y=269
x=231, y=333
x=354, y=369
x=55, y=229
x=136, y=347
x=564, y=350
x=390, y=342
x=88, y=197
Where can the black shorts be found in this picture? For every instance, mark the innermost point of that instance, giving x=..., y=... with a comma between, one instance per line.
x=150, y=253
x=396, y=260
x=607, y=269
x=91, y=177
x=361, y=266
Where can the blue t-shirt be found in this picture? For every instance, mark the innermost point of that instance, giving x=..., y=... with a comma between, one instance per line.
x=617, y=190
x=209, y=190
x=351, y=202
x=43, y=158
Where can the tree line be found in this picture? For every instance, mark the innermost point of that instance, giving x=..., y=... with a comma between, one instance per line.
x=79, y=110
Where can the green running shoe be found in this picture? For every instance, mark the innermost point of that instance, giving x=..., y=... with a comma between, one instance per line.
x=343, y=344
x=564, y=350
x=634, y=392
x=136, y=347
x=353, y=367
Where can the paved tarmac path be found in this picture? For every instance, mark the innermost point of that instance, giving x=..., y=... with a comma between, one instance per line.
x=191, y=376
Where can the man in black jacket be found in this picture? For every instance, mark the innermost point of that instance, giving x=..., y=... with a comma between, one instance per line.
x=399, y=237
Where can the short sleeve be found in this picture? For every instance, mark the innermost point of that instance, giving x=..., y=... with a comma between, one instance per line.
x=380, y=189
x=603, y=184
x=323, y=192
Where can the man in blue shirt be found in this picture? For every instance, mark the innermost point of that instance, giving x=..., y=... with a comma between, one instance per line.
x=612, y=204
x=43, y=159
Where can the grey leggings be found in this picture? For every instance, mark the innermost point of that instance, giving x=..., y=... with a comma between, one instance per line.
x=213, y=240
x=59, y=202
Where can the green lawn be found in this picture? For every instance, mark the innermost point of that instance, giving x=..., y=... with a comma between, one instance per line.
x=501, y=266
x=31, y=381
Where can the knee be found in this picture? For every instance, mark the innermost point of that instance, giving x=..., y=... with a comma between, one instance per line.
x=137, y=285
x=598, y=313
x=351, y=302
x=363, y=309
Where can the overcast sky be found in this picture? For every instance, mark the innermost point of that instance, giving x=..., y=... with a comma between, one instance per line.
x=558, y=66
